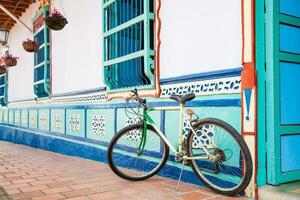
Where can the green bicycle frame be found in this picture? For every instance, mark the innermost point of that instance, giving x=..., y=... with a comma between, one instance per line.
x=147, y=120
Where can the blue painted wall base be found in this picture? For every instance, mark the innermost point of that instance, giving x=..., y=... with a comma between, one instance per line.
x=72, y=148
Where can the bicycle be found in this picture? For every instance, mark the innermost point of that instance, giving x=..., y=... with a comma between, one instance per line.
x=139, y=151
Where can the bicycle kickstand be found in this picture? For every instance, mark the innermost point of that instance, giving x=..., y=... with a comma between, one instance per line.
x=180, y=176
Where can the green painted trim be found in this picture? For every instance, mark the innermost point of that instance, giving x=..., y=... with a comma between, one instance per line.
x=124, y=26
x=38, y=31
x=5, y=86
x=289, y=20
x=149, y=63
x=274, y=127
x=288, y=176
x=271, y=42
x=147, y=53
x=41, y=11
x=260, y=67
x=290, y=129
x=125, y=58
x=289, y=57
x=47, y=49
x=39, y=65
x=108, y=3
x=141, y=87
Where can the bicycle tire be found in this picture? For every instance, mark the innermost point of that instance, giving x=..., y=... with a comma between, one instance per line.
x=121, y=170
x=206, y=170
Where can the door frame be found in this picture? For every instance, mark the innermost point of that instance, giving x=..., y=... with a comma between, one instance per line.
x=274, y=128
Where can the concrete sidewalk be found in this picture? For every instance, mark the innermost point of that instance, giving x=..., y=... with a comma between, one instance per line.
x=28, y=173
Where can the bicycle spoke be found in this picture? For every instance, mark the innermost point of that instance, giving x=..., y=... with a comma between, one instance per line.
x=225, y=170
x=129, y=162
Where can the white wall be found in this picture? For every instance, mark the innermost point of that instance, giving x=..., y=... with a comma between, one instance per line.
x=77, y=49
x=20, y=77
x=196, y=35
x=200, y=36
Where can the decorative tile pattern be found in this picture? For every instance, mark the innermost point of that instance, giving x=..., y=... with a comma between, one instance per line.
x=11, y=117
x=5, y=116
x=44, y=119
x=136, y=134
x=57, y=121
x=33, y=118
x=98, y=124
x=208, y=87
x=17, y=118
x=204, y=136
x=82, y=98
x=24, y=118
x=74, y=122
x=1, y=116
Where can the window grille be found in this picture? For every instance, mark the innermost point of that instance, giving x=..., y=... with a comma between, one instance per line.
x=3, y=89
x=42, y=57
x=128, y=44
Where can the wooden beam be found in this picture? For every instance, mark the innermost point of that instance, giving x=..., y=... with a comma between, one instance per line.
x=14, y=1
x=12, y=5
x=14, y=17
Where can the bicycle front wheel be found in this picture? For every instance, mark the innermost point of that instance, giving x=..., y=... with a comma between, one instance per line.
x=126, y=159
x=228, y=169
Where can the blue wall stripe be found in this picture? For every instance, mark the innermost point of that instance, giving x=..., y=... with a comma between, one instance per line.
x=70, y=148
x=195, y=103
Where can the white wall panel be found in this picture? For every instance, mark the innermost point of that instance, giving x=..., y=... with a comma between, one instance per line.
x=77, y=49
x=200, y=36
x=20, y=78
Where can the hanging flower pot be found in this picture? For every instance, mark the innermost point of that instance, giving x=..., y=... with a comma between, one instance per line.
x=2, y=70
x=10, y=60
x=56, y=21
x=31, y=46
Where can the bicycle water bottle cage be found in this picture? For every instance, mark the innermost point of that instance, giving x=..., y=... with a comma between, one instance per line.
x=184, y=98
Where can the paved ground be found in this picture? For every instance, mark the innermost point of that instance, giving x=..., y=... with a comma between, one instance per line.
x=28, y=173
x=293, y=187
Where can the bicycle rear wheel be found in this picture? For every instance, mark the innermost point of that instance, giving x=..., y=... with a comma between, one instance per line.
x=229, y=170
x=127, y=162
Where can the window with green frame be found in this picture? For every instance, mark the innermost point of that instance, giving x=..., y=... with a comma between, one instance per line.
x=42, y=57
x=128, y=44
x=3, y=89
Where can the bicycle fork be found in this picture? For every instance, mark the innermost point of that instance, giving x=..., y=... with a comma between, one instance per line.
x=144, y=135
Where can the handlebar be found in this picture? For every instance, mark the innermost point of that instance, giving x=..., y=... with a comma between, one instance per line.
x=135, y=96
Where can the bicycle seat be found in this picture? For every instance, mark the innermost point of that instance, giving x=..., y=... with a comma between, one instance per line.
x=183, y=98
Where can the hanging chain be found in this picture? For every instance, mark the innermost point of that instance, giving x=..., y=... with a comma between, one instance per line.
x=62, y=8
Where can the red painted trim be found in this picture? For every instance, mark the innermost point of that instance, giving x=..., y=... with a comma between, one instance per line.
x=248, y=79
x=50, y=49
x=157, y=24
x=248, y=76
x=248, y=133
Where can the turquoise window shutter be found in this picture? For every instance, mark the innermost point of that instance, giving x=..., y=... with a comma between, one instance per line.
x=128, y=44
x=42, y=57
x=3, y=88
